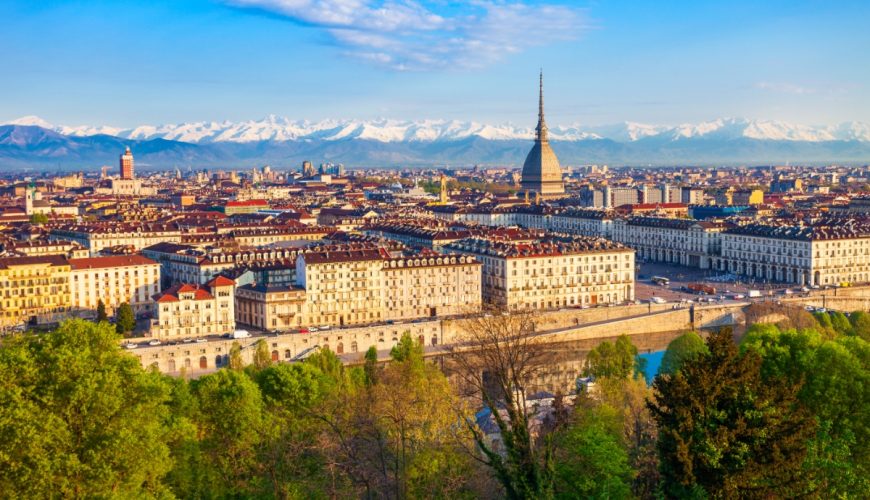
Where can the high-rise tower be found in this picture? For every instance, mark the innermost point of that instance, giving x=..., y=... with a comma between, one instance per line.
x=127, y=164
x=542, y=174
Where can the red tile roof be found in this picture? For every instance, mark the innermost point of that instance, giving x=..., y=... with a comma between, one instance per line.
x=111, y=261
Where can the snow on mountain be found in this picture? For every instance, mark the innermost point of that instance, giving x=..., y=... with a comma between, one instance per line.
x=278, y=129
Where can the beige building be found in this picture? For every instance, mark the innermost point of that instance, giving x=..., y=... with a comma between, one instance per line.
x=832, y=253
x=678, y=241
x=187, y=311
x=555, y=272
x=34, y=289
x=270, y=307
x=116, y=279
x=359, y=284
x=99, y=236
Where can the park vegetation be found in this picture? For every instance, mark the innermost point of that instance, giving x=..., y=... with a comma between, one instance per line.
x=784, y=412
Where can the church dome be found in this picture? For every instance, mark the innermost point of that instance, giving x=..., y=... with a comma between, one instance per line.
x=541, y=172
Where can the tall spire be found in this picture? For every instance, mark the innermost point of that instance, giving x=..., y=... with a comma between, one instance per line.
x=542, y=125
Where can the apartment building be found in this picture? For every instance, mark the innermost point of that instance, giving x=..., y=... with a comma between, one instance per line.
x=34, y=289
x=114, y=280
x=188, y=311
x=557, y=271
x=831, y=253
x=678, y=241
x=99, y=236
x=358, y=284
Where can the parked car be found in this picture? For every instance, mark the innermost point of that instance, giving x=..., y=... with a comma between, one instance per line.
x=154, y=342
x=201, y=340
x=241, y=334
x=131, y=345
x=303, y=330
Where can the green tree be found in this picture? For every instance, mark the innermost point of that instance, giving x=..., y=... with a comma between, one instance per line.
x=618, y=360
x=841, y=323
x=590, y=457
x=236, y=362
x=80, y=418
x=833, y=376
x=262, y=356
x=38, y=219
x=681, y=349
x=725, y=431
x=125, y=320
x=230, y=419
x=371, y=366
x=101, y=312
x=860, y=321
x=407, y=349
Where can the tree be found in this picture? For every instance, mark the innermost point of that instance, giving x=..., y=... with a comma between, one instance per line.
x=230, y=419
x=494, y=359
x=725, y=431
x=125, y=320
x=236, y=362
x=398, y=437
x=80, y=418
x=833, y=376
x=860, y=321
x=38, y=219
x=841, y=323
x=101, y=312
x=262, y=356
x=618, y=359
x=371, y=366
x=681, y=349
x=590, y=458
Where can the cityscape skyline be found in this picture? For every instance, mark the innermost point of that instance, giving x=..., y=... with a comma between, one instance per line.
x=240, y=60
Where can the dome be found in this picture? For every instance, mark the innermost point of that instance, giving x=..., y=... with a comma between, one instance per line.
x=541, y=171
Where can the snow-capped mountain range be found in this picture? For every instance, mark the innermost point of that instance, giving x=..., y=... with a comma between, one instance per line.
x=279, y=129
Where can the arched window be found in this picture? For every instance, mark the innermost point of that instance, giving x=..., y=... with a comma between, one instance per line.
x=434, y=340
x=187, y=362
x=339, y=349
x=170, y=365
x=203, y=362
x=218, y=361
x=288, y=354
x=354, y=347
x=274, y=355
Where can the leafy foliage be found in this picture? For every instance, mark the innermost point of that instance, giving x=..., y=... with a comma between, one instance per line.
x=725, y=431
x=680, y=350
x=125, y=320
x=617, y=360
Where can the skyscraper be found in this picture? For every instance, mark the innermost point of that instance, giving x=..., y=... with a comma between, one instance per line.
x=542, y=175
x=127, y=164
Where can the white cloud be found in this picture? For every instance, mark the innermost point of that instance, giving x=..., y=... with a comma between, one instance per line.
x=785, y=88
x=406, y=35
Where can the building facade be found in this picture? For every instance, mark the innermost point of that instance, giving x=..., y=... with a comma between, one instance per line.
x=556, y=272
x=114, y=280
x=189, y=311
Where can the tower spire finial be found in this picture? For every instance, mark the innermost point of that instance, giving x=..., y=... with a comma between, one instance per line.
x=542, y=125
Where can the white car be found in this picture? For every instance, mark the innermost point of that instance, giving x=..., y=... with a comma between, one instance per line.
x=201, y=340
x=131, y=345
x=154, y=342
x=313, y=329
x=324, y=328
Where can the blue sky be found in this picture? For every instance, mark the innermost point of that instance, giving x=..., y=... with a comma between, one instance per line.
x=126, y=63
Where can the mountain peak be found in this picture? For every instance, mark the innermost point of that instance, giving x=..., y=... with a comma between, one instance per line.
x=276, y=128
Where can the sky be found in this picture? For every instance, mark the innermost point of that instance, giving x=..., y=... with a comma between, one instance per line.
x=125, y=63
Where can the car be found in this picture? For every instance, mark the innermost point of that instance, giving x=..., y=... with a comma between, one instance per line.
x=154, y=342
x=805, y=289
x=131, y=345
x=821, y=310
x=323, y=328
x=313, y=329
x=201, y=340
x=304, y=330
x=810, y=308
x=187, y=341
x=787, y=291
